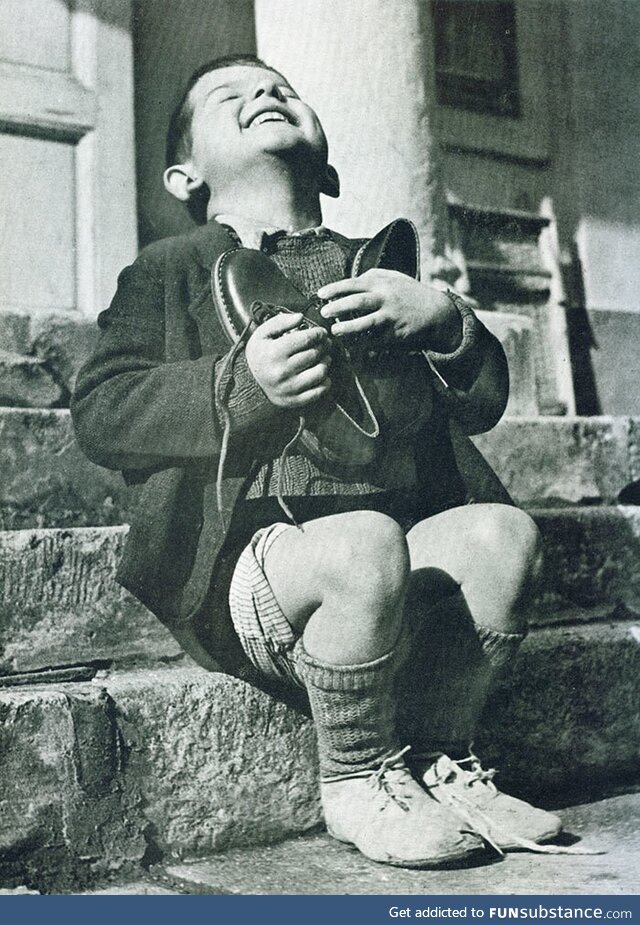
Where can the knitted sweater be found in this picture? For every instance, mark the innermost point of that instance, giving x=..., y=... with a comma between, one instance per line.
x=310, y=261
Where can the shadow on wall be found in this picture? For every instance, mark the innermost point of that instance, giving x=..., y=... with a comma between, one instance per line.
x=171, y=39
x=581, y=338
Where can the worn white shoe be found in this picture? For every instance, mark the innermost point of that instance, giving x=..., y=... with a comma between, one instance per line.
x=389, y=817
x=505, y=822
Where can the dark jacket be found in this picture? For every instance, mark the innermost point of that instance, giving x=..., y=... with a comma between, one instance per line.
x=144, y=404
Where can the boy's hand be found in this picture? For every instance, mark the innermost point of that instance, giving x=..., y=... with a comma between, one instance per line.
x=395, y=306
x=290, y=366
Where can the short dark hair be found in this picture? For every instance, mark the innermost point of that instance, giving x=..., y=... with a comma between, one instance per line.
x=179, y=139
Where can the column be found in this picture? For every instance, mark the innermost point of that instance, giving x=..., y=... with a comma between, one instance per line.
x=367, y=68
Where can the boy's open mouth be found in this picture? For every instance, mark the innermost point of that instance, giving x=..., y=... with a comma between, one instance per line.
x=270, y=115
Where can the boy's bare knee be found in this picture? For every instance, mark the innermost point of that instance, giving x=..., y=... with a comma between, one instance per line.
x=511, y=535
x=369, y=559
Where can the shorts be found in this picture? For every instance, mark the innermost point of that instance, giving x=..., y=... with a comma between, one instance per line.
x=263, y=630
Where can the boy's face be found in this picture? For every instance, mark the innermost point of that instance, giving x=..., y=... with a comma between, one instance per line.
x=241, y=113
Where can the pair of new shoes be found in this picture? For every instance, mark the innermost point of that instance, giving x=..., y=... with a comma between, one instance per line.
x=457, y=810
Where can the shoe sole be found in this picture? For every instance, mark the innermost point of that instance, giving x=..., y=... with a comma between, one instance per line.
x=450, y=860
x=539, y=840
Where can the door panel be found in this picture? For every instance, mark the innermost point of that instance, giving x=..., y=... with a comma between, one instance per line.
x=37, y=240
x=66, y=154
x=36, y=32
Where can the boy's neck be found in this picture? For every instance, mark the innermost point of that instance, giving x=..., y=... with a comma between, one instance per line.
x=270, y=198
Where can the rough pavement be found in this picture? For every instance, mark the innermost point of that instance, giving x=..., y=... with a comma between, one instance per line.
x=316, y=864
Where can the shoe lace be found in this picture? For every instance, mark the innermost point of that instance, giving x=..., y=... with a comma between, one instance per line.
x=476, y=773
x=388, y=779
x=479, y=821
x=391, y=784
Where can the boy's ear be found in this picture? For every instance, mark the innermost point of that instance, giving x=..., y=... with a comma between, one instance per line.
x=182, y=181
x=330, y=182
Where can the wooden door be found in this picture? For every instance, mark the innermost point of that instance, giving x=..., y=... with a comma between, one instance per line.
x=67, y=156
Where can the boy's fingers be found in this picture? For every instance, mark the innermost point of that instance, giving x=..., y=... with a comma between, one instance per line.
x=303, y=339
x=311, y=395
x=368, y=322
x=344, y=287
x=305, y=359
x=355, y=302
x=279, y=324
x=312, y=378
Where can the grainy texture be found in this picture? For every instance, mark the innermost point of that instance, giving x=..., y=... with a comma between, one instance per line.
x=60, y=605
x=65, y=810
x=564, y=459
x=218, y=763
x=47, y=481
x=26, y=382
x=319, y=865
x=592, y=554
x=181, y=763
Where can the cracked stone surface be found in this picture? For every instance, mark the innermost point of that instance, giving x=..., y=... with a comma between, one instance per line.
x=316, y=864
x=47, y=481
x=26, y=382
x=65, y=809
x=177, y=762
x=59, y=603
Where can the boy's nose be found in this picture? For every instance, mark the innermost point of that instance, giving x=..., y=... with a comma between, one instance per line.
x=268, y=86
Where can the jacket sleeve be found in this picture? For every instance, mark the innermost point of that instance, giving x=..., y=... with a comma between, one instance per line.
x=474, y=378
x=133, y=410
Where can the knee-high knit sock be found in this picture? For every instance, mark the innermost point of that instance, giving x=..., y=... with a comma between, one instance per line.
x=353, y=707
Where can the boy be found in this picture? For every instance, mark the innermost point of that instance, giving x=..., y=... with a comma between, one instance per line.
x=392, y=573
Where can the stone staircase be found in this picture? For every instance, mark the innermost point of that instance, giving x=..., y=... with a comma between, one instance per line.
x=115, y=749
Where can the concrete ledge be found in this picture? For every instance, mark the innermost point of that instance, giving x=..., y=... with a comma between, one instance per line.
x=66, y=814
x=63, y=340
x=592, y=555
x=569, y=719
x=217, y=762
x=59, y=603
x=25, y=381
x=180, y=763
x=47, y=481
x=572, y=460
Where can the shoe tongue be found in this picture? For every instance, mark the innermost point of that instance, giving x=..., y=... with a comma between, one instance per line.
x=440, y=771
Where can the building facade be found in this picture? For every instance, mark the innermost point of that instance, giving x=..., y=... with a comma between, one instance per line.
x=506, y=130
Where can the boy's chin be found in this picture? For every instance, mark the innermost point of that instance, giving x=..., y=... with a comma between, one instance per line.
x=278, y=137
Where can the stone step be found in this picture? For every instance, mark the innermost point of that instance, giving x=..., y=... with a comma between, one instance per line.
x=47, y=482
x=26, y=381
x=177, y=762
x=59, y=604
x=317, y=864
x=557, y=459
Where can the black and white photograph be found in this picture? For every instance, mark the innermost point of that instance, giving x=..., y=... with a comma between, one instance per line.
x=320, y=450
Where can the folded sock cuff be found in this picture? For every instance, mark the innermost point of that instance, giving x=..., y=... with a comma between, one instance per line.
x=327, y=677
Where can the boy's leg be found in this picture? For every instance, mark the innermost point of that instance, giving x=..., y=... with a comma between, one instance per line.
x=341, y=585
x=474, y=572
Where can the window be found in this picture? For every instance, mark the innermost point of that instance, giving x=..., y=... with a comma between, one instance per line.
x=475, y=53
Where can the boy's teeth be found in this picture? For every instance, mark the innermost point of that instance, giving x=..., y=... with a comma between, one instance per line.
x=269, y=117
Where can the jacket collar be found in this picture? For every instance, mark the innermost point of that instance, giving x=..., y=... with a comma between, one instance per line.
x=210, y=241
